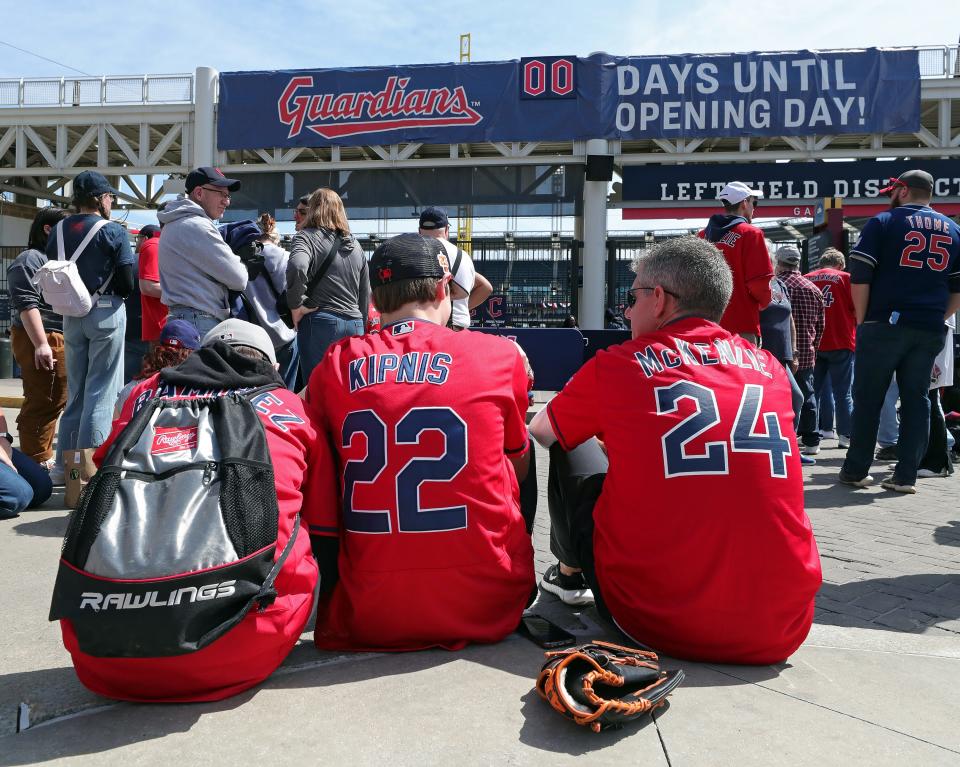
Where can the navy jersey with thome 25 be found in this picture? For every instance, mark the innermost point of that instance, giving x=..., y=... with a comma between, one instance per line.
x=903, y=246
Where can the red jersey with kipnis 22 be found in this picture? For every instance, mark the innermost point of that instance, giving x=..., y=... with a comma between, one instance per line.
x=433, y=548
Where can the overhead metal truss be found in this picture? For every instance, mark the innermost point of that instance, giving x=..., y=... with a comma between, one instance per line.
x=138, y=145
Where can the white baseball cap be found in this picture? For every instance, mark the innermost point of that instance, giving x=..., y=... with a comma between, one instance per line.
x=736, y=192
x=236, y=332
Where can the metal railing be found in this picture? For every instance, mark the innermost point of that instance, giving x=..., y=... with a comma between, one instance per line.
x=96, y=91
x=935, y=61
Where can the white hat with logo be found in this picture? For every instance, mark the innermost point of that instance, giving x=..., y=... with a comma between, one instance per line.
x=736, y=192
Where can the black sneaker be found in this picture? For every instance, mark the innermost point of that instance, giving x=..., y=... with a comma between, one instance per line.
x=572, y=589
x=888, y=453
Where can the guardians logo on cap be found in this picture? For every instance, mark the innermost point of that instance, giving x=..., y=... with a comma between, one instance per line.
x=408, y=257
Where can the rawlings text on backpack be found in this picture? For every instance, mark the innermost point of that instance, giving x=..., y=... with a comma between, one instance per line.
x=59, y=281
x=174, y=541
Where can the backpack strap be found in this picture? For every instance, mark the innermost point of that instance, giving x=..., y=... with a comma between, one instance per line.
x=456, y=265
x=61, y=253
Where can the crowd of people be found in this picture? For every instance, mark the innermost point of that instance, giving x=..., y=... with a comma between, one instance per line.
x=406, y=454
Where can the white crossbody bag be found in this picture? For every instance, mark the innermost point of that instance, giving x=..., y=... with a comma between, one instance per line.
x=59, y=281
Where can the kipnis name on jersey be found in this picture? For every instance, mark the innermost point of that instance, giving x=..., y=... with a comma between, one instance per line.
x=409, y=368
x=655, y=358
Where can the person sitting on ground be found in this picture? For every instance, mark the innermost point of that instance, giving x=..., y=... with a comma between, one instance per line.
x=178, y=340
x=430, y=430
x=24, y=483
x=700, y=460
x=234, y=355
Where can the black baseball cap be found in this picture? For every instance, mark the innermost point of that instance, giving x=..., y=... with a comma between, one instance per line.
x=434, y=218
x=148, y=231
x=915, y=179
x=408, y=257
x=213, y=176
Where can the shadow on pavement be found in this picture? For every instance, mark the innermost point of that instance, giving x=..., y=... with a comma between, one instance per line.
x=50, y=527
x=835, y=495
x=948, y=534
x=907, y=603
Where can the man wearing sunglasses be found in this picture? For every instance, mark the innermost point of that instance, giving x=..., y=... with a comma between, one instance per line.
x=197, y=268
x=745, y=251
x=905, y=280
x=693, y=497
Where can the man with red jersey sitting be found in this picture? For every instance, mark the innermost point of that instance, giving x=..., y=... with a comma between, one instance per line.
x=429, y=426
x=690, y=530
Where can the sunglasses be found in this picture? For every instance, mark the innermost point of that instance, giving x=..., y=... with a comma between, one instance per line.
x=223, y=193
x=301, y=211
x=113, y=197
x=632, y=299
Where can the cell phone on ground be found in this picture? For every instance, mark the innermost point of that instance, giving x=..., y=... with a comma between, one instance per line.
x=545, y=633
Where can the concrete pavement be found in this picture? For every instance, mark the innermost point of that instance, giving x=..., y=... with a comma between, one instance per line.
x=875, y=683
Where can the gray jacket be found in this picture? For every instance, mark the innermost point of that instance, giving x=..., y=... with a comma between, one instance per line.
x=344, y=289
x=197, y=267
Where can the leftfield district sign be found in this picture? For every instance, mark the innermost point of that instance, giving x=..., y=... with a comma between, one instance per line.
x=563, y=98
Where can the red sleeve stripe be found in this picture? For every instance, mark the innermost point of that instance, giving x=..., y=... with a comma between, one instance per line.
x=519, y=450
x=556, y=428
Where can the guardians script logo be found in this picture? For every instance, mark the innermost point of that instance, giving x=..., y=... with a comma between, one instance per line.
x=354, y=113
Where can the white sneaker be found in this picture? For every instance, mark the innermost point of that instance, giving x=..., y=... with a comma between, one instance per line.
x=843, y=442
x=828, y=434
x=57, y=476
x=928, y=473
x=810, y=449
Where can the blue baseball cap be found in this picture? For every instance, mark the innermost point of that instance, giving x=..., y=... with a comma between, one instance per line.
x=434, y=218
x=180, y=334
x=91, y=184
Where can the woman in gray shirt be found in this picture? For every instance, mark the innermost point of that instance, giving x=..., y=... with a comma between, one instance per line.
x=328, y=292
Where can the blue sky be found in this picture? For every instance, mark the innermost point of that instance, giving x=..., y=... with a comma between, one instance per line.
x=177, y=36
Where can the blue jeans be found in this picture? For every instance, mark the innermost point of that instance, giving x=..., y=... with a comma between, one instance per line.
x=27, y=487
x=838, y=366
x=289, y=359
x=885, y=350
x=889, y=430
x=796, y=397
x=807, y=429
x=202, y=321
x=94, y=347
x=317, y=331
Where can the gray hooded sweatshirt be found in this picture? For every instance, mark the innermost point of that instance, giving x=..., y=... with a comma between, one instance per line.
x=197, y=267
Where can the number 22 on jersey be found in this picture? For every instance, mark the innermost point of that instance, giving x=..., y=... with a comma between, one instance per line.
x=411, y=516
x=679, y=461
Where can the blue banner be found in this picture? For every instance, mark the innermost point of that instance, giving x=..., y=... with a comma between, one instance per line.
x=562, y=98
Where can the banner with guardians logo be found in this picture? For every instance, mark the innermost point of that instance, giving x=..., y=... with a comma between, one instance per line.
x=563, y=98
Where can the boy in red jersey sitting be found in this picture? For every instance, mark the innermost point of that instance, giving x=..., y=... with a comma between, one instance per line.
x=425, y=531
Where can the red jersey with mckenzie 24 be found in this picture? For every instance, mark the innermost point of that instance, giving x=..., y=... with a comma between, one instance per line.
x=433, y=548
x=701, y=544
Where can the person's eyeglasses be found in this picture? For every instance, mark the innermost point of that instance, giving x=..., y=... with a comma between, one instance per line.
x=756, y=202
x=301, y=211
x=113, y=197
x=632, y=299
x=222, y=192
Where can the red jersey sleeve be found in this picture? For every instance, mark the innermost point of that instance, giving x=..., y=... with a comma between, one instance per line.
x=515, y=440
x=574, y=412
x=126, y=414
x=756, y=258
x=321, y=490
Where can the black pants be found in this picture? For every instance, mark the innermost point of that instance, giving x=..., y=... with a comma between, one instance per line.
x=573, y=487
x=937, y=457
x=528, y=492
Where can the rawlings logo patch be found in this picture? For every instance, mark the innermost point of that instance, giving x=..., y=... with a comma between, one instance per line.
x=173, y=439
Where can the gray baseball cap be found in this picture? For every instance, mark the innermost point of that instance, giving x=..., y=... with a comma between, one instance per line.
x=239, y=333
x=789, y=255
